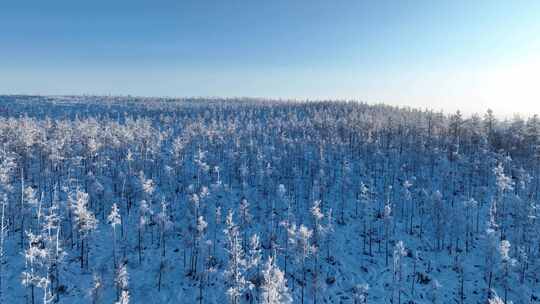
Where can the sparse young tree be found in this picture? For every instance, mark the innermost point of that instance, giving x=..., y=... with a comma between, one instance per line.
x=52, y=243
x=145, y=213
x=35, y=274
x=360, y=293
x=121, y=281
x=274, y=288
x=399, y=253
x=114, y=219
x=85, y=222
x=254, y=259
x=164, y=226
x=300, y=239
x=124, y=297
x=506, y=263
x=237, y=263
x=7, y=167
x=96, y=289
x=387, y=217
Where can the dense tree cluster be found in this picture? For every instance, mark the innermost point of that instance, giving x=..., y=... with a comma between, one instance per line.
x=258, y=201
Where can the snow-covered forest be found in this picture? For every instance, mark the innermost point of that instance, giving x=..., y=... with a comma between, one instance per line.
x=155, y=200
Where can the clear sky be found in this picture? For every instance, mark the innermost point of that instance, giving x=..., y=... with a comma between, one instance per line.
x=438, y=54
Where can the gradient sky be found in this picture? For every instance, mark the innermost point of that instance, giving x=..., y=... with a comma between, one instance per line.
x=438, y=54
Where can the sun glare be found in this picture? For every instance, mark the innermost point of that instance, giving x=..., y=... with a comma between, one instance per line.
x=511, y=88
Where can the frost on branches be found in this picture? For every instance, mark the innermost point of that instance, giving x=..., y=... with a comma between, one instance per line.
x=263, y=201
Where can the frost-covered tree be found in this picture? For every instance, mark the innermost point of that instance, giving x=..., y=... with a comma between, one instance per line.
x=506, y=263
x=387, y=217
x=34, y=274
x=195, y=229
x=3, y=232
x=255, y=254
x=274, y=287
x=237, y=263
x=360, y=293
x=53, y=244
x=245, y=220
x=438, y=218
x=399, y=253
x=124, y=297
x=496, y=300
x=114, y=220
x=345, y=184
x=472, y=212
x=365, y=203
x=145, y=213
x=29, y=203
x=318, y=216
x=504, y=185
x=201, y=228
x=300, y=240
x=491, y=248
x=85, y=222
x=7, y=167
x=96, y=289
x=147, y=188
x=318, y=233
x=202, y=166
x=217, y=224
x=121, y=280
x=206, y=255
x=164, y=226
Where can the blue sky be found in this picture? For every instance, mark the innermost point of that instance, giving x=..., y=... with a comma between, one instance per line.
x=439, y=54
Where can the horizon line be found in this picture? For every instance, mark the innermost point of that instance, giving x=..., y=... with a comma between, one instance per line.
x=466, y=114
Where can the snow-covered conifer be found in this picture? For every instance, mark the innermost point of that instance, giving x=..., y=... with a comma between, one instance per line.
x=145, y=213
x=114, y=219
x=300, y=239
x=360, y=293
x=399, y=253
x=237, y=262
x=124, y=297
x=506, y=263
x=96, y=289
x=85, y=221
x=274, y=288
x=122, y=279
x=7, y=167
